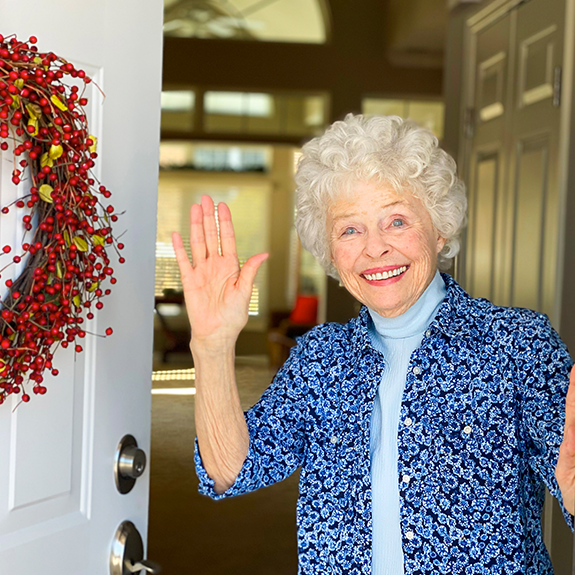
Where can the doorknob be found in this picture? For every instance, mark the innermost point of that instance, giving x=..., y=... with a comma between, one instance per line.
x=130, y=464
x=127, y=554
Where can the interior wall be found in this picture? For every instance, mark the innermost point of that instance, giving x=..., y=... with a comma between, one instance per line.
x=416, y=32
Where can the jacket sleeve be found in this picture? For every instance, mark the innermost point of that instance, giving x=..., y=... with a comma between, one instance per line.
x=276, y=426
x=544, y=364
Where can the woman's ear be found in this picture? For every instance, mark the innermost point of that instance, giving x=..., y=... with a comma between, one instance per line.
x=440, y=243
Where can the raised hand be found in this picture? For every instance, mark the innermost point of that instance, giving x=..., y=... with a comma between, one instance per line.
x=565, y=469
x=216, y=291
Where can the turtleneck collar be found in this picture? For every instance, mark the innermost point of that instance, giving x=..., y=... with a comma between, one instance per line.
x=417, y=317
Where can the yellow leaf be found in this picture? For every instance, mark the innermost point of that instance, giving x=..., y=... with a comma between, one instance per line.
x=16, y=101
x=59, y=271
x=34, y=110
x=45, y=160
x=97, y=240
x=93, y=286
x=94, y=145
x=67, y=237
x=33, y=122
x=45, y=192
x=76, y=300
x=37, y=60
x=58, y=103
x=81, y=243
x=55, y=152
x=12, y=336
x=19, y=83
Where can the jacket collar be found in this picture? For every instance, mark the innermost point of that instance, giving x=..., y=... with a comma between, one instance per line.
x=457, y=317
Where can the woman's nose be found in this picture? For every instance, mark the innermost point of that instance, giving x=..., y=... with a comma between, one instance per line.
x=376, y=244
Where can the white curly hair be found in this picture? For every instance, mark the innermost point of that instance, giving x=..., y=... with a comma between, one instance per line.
x=382, y=149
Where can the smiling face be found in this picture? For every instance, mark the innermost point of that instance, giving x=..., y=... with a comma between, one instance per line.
x=384, y=246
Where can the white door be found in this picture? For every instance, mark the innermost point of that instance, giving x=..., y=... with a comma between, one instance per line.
x=59, y=507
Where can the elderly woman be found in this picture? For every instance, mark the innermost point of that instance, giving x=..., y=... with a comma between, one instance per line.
x=427, y=427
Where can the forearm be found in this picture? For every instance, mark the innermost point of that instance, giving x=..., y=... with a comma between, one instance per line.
x=222, y=432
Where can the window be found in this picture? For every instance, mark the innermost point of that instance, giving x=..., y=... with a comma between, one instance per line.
x=427, y=113
x=249, y=204
x=306, y=276
x=177, y=155
x=301, y=21
x=265, y=113
x=178, y=110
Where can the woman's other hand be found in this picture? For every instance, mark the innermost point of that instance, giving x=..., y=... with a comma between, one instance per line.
x=565, y=470
x=216, y=291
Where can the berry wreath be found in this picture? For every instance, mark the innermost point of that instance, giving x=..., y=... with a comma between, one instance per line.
x=64, y=263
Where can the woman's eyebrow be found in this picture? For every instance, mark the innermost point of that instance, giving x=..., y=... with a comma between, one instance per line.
x=392, y=204
x=352, y=215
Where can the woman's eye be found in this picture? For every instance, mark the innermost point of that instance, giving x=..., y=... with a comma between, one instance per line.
x=349, y=231
x=397, y=223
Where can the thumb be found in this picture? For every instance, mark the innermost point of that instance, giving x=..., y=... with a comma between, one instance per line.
x=250, y=269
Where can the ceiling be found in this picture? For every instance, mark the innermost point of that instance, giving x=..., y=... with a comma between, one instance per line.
x=266, y=20
x=414, y=30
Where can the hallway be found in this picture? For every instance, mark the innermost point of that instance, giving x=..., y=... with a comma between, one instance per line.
x=190, y=534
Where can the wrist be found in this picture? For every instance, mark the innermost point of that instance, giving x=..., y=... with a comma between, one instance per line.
x=212, y=346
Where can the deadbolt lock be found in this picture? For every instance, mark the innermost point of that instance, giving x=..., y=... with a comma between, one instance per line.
x=130, y=464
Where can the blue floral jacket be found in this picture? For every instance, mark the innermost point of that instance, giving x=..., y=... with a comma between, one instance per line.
x=481, y=422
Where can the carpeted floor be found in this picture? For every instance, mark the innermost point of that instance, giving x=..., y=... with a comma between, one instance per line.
x=189, y=534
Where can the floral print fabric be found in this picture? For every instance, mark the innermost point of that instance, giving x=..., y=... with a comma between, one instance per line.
x=481, y=423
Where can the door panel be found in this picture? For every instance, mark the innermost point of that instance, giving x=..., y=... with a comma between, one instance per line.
x=536, y=66
x=483, y=230
x=516, y=62
x=530, y=202
x=59, y=507
x=534, y=137
x=489, y=160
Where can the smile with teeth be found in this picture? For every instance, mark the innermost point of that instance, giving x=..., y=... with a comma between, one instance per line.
x=385, y=275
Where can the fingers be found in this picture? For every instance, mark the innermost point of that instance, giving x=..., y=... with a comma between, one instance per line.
x=204, y=231
x=181, y=255
x=197, y=238
x=210, y=227
x=227, y=235
x=250, y=269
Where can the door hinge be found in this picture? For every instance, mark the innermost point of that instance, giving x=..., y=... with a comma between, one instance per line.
x=557, y=84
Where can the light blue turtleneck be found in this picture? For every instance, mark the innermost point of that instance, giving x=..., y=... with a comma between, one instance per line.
x=397, y=338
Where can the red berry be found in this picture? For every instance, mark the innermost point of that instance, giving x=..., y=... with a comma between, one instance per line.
x=109, y=331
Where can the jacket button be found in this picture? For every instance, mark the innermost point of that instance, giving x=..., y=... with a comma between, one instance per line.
x=406, y=478
x=407, y=421
x=333, y=439
x=410, y=535
x=417, y=370
x=428, y=333
x=467, y=429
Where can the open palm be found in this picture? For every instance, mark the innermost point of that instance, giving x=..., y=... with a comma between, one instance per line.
x=217, y=291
